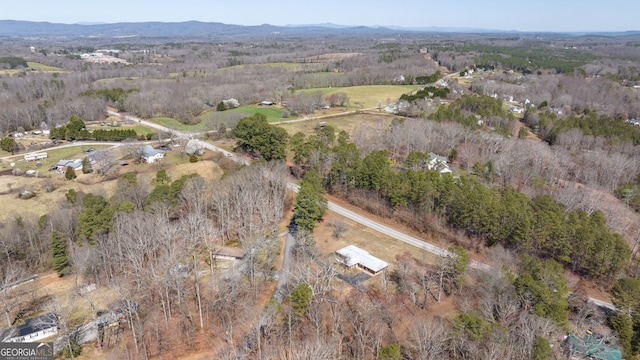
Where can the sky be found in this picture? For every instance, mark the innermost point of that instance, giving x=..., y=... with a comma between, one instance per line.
x=532, y=15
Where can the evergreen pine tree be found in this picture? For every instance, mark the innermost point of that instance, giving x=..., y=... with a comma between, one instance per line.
x=58, y=252
x=70, y=174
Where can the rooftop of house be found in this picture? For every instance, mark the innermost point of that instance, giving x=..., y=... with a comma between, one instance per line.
x=30, y=326
x=353, y=255
x=148, y=151
x=593, y=347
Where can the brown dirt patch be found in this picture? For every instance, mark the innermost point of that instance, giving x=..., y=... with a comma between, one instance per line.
x=43, y=202
x=333, y=56
x=377, y=244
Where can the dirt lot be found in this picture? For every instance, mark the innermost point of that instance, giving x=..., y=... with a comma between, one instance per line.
x=377, y=244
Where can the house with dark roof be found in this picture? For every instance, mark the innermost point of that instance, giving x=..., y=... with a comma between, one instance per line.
x=151, y=155
x=32, y=330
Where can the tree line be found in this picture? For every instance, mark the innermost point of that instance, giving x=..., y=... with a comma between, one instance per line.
x=539, y=226
x=76, y=130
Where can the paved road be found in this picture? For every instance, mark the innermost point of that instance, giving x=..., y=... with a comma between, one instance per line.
x=414, y=241
x=181, y=134
x=353, y=216
x=391, y=232
x=327, y=116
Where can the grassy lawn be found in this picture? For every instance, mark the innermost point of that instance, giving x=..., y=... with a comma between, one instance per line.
x=346, y=123
x=68, y=153
x=272, y=113
x=369, y=95
x=210, y=117
x=32, y=66
x=177, y=125
x=284, y=65
x=109, y=80
x=42, y=67
x=142, y=130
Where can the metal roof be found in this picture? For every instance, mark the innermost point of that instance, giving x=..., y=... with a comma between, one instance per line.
x=353, y=255
x=593, y=347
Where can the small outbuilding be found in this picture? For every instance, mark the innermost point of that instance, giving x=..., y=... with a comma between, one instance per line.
x=229, y=253
x=352, y=255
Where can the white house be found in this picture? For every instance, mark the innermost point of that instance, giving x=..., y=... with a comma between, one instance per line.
x=438, y=163
x=351, y=256
x=516, y=110
x=231, y=103
x=32, y=330
x=151, y=155
x=38, y=156
x=62, y=165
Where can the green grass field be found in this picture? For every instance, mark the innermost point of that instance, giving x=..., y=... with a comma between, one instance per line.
x=272, y=113
x=177, y=125
x=53, y=156
x=32, y=66
x=42, y=67
x=369, y=95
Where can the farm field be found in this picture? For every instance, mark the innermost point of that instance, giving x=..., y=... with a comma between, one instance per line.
x=32, y=66
x=272, y=113
x=177, y=125
x=368, y=96
x=294, y=66
x=175, y=164
x=347, y=123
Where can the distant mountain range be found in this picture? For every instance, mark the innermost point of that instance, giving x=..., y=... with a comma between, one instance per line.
x=189, y=29
x=197, y=29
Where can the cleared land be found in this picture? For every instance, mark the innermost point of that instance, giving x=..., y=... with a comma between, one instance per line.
x=32, y=66
x=175, y=164
x=272, y=113
x=368, y=96
x=53, y=156
x=347, y=123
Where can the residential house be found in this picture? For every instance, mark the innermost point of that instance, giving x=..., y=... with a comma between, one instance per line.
x=516, y=110
x=229, y=253
x=351, y=256
x=634, y=122
x=38, y=156
x=438, y=163
x=61, y=166
x=151, y=155
x=590, y=347
x=32, y=330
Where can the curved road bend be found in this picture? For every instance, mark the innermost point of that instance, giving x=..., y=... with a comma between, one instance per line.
x=350, y=214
